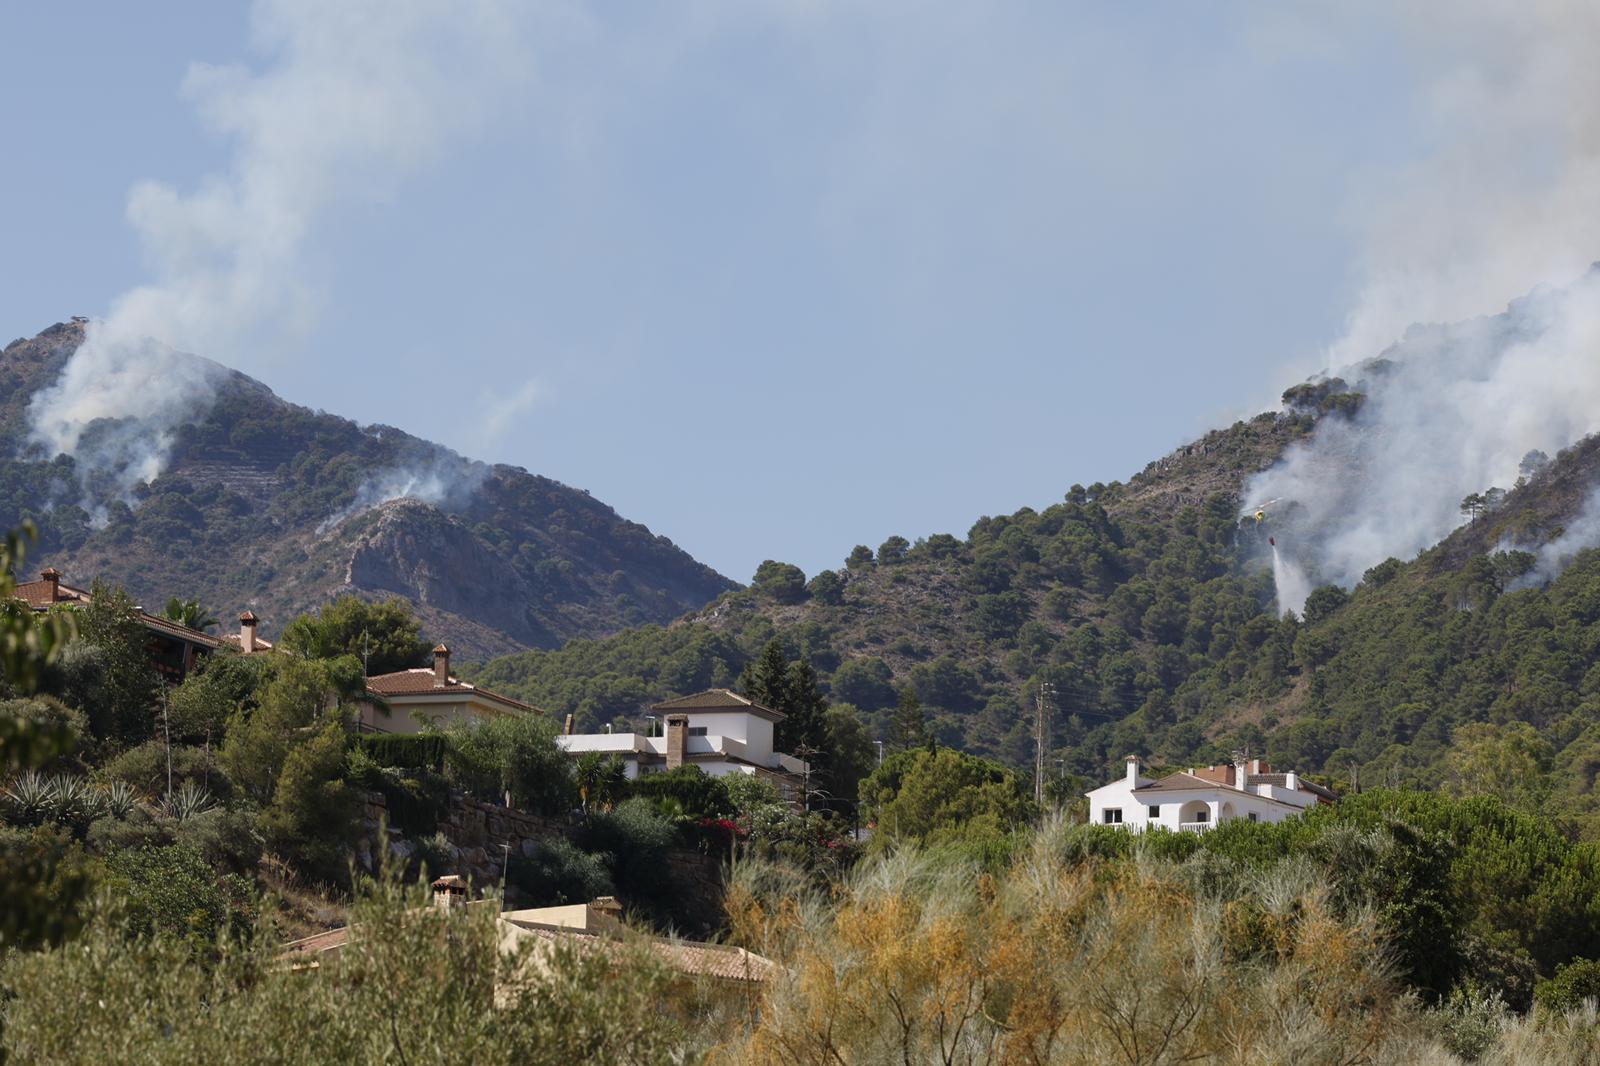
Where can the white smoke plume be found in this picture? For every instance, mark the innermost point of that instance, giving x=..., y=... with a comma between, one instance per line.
x=1452, y=411
x=442, y=478
x=354, y=95
x=1582, y=532
x=1504, y=202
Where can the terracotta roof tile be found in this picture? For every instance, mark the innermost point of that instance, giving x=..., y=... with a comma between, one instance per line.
x=420, y=681
x=719, y=699
x=36, y=594
x=1179, y=780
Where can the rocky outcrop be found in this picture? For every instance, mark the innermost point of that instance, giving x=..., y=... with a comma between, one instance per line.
x=412, y=549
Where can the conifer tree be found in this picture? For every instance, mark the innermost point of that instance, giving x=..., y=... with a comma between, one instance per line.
x=766, y=680
x=909, y=727
x=806, y=725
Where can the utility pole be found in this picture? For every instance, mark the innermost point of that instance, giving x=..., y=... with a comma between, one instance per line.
x=1044, y=703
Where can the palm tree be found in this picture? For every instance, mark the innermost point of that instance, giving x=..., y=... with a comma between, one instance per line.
x=189, y=613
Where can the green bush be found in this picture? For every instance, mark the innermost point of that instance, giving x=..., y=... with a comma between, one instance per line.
x=1572, y=983
x=145, y=768
x=226, y=839
x=174, y=891
x=632, y=841
x=424, y=751
x=516, y=754
x=111, y=836
x=557, y=872
x=694, y=793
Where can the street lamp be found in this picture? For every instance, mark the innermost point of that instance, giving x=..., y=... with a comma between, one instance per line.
x=880, y=751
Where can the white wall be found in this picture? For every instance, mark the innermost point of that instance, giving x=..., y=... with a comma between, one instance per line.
x=1179, y=809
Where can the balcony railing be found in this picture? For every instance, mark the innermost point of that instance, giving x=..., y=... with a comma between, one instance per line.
x=1194, y=827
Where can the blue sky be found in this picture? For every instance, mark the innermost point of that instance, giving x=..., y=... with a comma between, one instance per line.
x=772, y=279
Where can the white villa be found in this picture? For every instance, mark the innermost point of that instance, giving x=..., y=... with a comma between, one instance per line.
x=1198, y=799
x=717, y=730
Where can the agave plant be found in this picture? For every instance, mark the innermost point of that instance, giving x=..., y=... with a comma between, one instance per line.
x=120, y=798
x=74, y=799
x=190, y=800
x=28, y=799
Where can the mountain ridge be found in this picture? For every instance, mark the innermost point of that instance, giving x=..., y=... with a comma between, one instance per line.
x=266, y=504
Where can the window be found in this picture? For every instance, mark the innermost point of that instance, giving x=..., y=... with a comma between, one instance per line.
x=1155, y=810
x=1202, y=815
x=697, y=731
x=1113, y=816
x=1254, y=817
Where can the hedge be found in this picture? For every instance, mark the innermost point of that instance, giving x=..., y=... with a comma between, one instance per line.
x=424, y=752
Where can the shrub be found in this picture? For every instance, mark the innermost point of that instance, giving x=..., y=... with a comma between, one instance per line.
x=145, y=768
x=111, y=836
x=632, y=841
x=420, y=751
x=1572, y=983
x=693, y=792
x=174, y=891
x=226, y=839
x=555, y=872
x=515, y=754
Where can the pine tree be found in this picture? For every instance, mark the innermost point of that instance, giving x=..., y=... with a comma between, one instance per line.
x=909, y=728
x=807, y=709
x=766, y=680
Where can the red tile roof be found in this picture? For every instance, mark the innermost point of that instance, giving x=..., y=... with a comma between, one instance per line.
x=719, y=699
x=422, y=682
x=38, y=595
x=180, y=632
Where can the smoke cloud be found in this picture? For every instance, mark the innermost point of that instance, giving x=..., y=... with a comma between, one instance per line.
x=1449, y=411
x=355, y=94
x=1503, y=202
x=442, y=478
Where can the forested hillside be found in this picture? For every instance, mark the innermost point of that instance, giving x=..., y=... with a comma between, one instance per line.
x=1149, y=606
x=1121, y=595
x=265, y=504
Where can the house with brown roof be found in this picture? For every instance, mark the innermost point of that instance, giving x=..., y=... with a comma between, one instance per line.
x=409, y=701
x=717, y=730
x=174, y=648
x=1196, y=799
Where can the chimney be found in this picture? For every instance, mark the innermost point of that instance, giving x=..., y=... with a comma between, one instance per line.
x=52, y=577
x=441, y=666
x=247, y=632
x=1241, y=774
x=677, y=740
x=1255, y=767
x=604, y=911
x=449, y=891
x=567, y=730
x=1133, y=770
